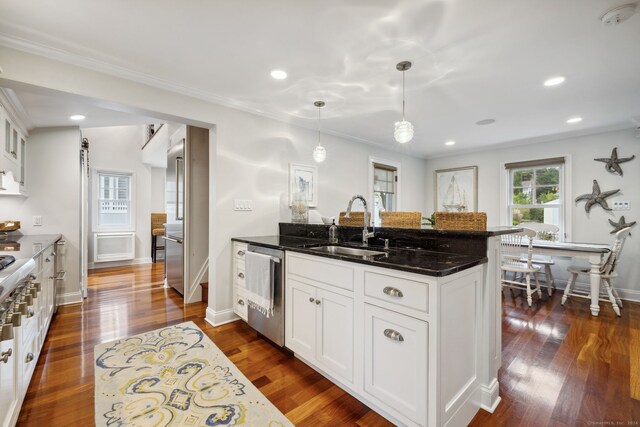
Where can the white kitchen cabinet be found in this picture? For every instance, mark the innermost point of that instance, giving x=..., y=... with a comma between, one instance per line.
x=319, y=327
x=395, y=362
x=8, y=382
x=13, y=143
x=239, y=297
x=406, y=344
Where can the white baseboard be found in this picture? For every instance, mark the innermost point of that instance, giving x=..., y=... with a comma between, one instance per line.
x=217, y=318
x=97, y=265
x=489, y=396
x=69, y=298
x=625, y=294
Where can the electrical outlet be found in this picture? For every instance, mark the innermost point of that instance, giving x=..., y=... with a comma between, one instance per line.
x=242, y=205
x=37, y=220
x=621, y=205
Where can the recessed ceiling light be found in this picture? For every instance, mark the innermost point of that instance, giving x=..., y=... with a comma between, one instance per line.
x=279, y=74
x=554, y=81
x=486, y=122
x=573, y=120
x=449, y=143
x=77, y=117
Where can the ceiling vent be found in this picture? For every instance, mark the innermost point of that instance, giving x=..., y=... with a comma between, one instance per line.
x=619, y=14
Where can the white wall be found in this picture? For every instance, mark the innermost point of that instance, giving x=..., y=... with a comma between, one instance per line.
x=53, y=185
x=117, y=148
x=592, y=227
x=249, y=157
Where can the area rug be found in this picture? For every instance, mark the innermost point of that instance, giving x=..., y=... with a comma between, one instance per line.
x=175, y=376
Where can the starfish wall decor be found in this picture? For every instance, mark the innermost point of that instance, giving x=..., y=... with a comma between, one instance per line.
x=617, y=226
x=612, y=164
x=596, y=197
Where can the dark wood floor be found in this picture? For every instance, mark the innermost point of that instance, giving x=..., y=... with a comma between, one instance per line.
x=560, y=366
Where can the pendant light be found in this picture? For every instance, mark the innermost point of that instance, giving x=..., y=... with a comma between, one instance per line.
x=404, y=129
x=319, y=153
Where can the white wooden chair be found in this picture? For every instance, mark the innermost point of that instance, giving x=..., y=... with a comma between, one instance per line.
x=544, y=232
x=607, y=272
x=511, y=245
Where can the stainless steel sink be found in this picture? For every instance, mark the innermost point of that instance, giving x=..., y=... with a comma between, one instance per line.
x=341, y=250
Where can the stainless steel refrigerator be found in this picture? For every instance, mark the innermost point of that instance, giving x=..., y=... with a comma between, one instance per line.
x=174, y=230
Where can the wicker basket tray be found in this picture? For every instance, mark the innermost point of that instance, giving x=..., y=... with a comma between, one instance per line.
x=401, y=219
x=461, y=220
x=356, y=219
x=9, y=225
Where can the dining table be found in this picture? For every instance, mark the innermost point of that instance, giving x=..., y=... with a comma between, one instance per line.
x=593, y=253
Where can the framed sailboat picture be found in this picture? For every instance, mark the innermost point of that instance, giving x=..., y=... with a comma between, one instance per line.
x=456, y=190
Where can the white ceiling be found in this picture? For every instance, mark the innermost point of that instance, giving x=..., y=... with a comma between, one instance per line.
x=473, y=60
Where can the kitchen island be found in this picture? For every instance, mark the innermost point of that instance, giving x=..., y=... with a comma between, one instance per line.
x=412, y=331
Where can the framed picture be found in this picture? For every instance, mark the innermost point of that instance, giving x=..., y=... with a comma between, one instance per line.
x=456, y=190
x=303, y=178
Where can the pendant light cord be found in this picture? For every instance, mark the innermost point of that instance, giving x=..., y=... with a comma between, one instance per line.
x=403, y=95
x=319, y=125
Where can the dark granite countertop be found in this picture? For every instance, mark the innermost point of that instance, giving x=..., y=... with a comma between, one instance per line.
x=431, y=263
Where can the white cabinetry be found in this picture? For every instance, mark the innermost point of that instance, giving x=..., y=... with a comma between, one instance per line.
x=239, y=286
x=13, y=144
x=405, y=344
x=319, y=327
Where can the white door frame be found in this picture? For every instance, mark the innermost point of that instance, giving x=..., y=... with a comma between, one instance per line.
x=392, y=163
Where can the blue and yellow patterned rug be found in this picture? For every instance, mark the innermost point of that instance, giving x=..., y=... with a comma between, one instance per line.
x=175, y=376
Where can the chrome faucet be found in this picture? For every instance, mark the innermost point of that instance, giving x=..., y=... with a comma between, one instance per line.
x=365, y=233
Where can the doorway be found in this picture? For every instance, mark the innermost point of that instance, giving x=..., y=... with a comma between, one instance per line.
x=384, y=187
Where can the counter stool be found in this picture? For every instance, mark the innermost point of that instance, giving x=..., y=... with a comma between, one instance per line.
x=157, y=229
x=607, y=272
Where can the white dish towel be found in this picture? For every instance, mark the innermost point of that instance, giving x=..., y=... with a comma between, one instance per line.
x=259, y=273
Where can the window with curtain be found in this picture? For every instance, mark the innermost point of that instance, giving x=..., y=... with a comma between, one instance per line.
x=114, y=204
x=536, y=192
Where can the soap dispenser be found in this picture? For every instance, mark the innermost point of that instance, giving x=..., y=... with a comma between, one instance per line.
x=333, y=232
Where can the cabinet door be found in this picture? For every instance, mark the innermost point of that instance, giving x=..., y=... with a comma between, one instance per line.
x=300, y=321
x=335, y=333
x=7, y=381
x=396, y=358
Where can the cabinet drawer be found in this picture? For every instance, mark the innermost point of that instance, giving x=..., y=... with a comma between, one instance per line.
x=318, y=270
x=240, y=304
x=239, y=249
x=395, y=365
x=238, y=273
x=399, y=291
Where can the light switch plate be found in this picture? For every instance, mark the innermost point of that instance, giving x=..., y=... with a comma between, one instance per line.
x=37, y=220
x=621, y=205
x=242, y=205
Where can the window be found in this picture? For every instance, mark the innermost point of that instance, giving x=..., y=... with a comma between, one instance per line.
x=114, y=206
x=385, y=179
x=536, y=192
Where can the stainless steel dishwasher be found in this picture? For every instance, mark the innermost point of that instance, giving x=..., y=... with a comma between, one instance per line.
x=271, y=327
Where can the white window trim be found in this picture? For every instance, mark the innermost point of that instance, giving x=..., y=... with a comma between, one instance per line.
x=397, y=165
x=565, y=185
x=94, y=201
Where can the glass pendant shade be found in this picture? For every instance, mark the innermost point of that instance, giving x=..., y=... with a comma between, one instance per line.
x=403, y=132
x=319, y=154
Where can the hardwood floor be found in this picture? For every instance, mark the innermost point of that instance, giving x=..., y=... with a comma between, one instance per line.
x=560, y=366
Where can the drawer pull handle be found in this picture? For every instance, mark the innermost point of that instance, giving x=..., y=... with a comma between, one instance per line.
x=393, y=292
x=394, y=335
x=311, y=299
x=30, y=312
x=241, y=252
x=240, y=302
x=47, y=259
x=29, y=357
x=241, y=275
x=6, y=355
x=317, y=302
